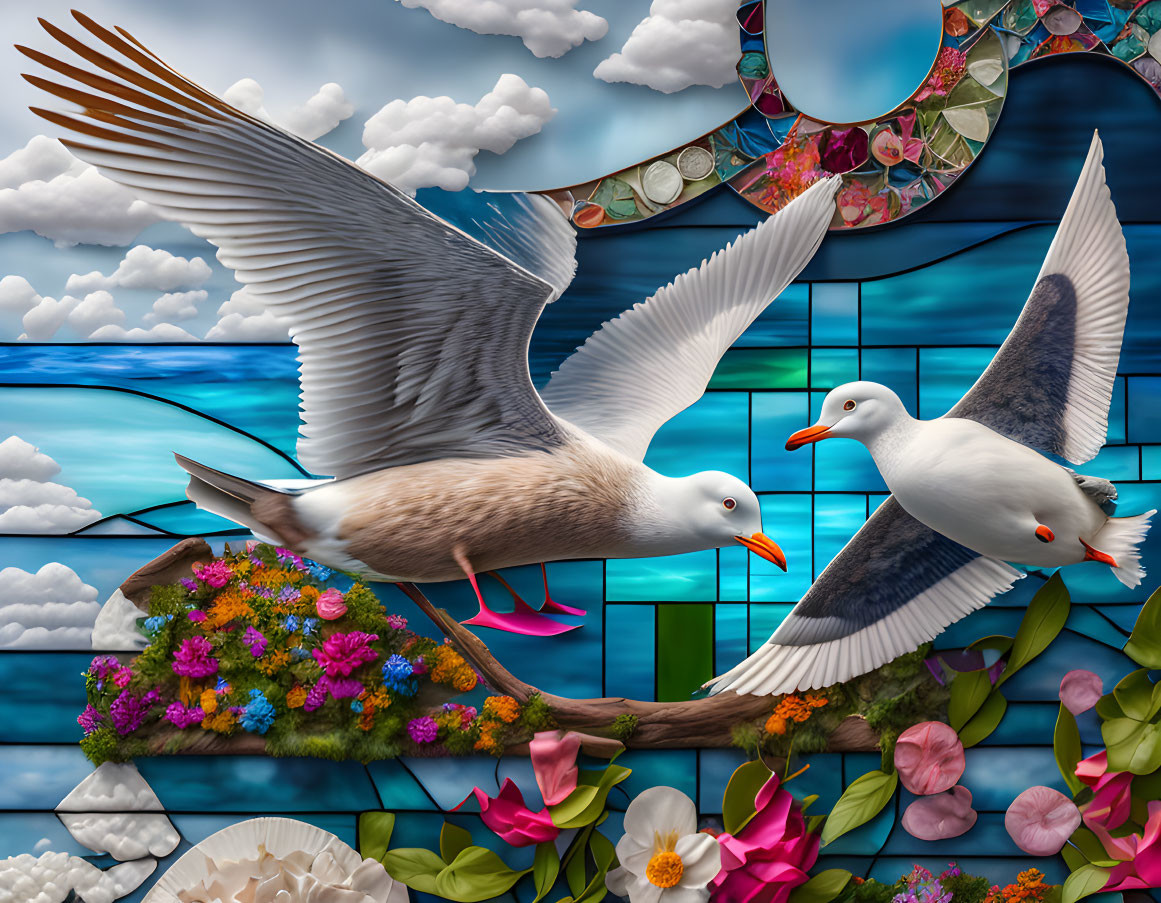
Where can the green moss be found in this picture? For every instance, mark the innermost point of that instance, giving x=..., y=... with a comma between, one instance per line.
x=102, y=746
x=624, y=727
x=536, y=715
x=966, y=888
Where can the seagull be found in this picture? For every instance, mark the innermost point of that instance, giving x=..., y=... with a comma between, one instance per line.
x=974, y=489
x=413, y=346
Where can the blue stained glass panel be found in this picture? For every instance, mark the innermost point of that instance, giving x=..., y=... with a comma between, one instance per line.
x=830, y=367
x=775, y=416
x=836, y=519
x=945, y=376
x=630, y=651
x=733, y=574
x=675, y=578
x=711, y=434
x=730, y=636
x=895, y=369
x=786, y=520
x=785, y=322
x=1144, y=400
x=834, y=313
x=764, y=620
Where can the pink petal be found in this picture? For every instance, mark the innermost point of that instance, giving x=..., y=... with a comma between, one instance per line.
x=941, y=815
x=553, y=756
x=1091, y=769
x=1040, y=820
x=1111, y=800
x=512, y=821
x=1080, y=690
x=929, y=758
x=1148, y=861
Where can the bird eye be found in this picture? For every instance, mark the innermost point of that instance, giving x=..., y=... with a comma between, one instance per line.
x=849, y=406
x=729, y=504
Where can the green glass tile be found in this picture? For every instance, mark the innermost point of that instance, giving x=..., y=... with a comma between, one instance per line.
x=830, y=367
x=685, y=649
x=761, y=368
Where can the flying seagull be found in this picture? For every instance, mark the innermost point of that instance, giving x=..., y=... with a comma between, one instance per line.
x=973, y=489
x=413, y=342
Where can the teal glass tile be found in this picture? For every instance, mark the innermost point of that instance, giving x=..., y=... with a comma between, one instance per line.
x=21, y=831
x=1151, y=462
x=43, y=694
x=841, y=465
x=760, y=368
x=187, y=520
x=194, y=828
x=734, y=574
x=785, y=322
x=946, y=374
x=1040, y=681
x=775, y=415
x=874, y=501
x=1085, y=620
x=630, y=651
x=997, y=776
x=836, y=519
x=834, y=313
x=730, y=626
x=1116, y=429
x=985, y=622
x=1025, y=724
x=786, y=519
x=1144, y=404
x=1115, y=462
x=657, y=768
x=1124, y=616
x=450, y=787
x=673, y=578
x=764, y=620
x=714, y=769
x=397, y=787
x=39, y=777
x=711, y=434
x=895, y=369
x=867, y=839
x=1143, y=326
x=830, y=367
x=824, y=777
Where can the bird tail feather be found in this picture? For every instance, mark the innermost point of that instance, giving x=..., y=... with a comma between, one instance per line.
x=1120, y=537
x=229, y=496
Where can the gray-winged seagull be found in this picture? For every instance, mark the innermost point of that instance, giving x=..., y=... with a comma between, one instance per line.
x=973, y=489
x=413, y=341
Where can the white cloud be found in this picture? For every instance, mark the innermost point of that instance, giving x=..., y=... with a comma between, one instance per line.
x=97, y=309
x=30, y=502
x=321, y=112
x=679, y=44
x=42, y=322
x=547, y=27
x=50, y=609
x=176, y=306
x=50, y=877
x=46, y=189
x=105, y=812
x=115, y=629
x=245, y=318
x=17, y=295
x=145, y=267
x=162, y=332
x=434, y=140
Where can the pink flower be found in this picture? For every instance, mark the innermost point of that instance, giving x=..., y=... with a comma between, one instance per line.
x=1080, y=690
x=215, y=574
x=1140, y=854
x=122, y=676
x=193, y=659
x=342, y=653
x=1040, y=820
x=929, y=758
x=423, y=730
x=396, y=622
x=553, y=756
x=330, y=605
x=513, y=822
x=941, y=815
x=771, y=855
x=197, y=616
x=1112, y=794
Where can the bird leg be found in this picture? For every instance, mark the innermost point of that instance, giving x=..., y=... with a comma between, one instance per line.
x=549, y=606
x=1044, y=534
x=523, y=620
x=1091, y=554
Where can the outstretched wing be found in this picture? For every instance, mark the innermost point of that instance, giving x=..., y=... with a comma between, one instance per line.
x=655, y=360
x=413, y=336
x=896, y=585
x=1050, y=384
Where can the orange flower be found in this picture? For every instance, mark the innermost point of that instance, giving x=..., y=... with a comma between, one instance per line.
x=222, y=722
x=488, y=741
x=505, y=708
x=367, y=719
x=273, y=662
x=208, y=701
x=464, y=678
x=776, y=724
x=793, y=708
x=228, y=606
x=296, y=697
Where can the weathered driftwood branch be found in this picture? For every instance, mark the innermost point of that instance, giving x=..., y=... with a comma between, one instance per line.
x=689, y=723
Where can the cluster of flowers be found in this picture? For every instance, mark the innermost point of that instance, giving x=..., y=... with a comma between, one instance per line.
x=1029, y=888
x=793, y=708
x=255, y=641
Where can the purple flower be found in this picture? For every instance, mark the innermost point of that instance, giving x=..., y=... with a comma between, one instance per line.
x=285, y=556
x=396, y=622
x=315, y=697
x=422, y=730
x=103, y=665
x=216, y=573
x=419, y=666
x=193, y=658
x=89, y=719
x=122, y=676
x=197, y=616
x=128, y=711
x=341, y=689
x=255, y=640
x=191, y=585
x=289, y=594
x=182, y=717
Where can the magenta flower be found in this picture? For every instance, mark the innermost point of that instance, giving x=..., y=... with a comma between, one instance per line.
x=423, y=730
x=122, y=676
x=1040, y=820
x=940, y=815
x=1112, y=792
x=342, y=653
x=330, y=605
x=89, y=719
x=216, y=573
x=1080, y=690
x=128, y=712
x=103, y=665
x=1139, y=854
x=771, y=855
x=553, y=755
x=510, y=819
x=396, y=622
x=190, y=585
x=182, y=717
x=255, y=640
x=419, y=666
x=196, y=615
x=929, y=758
x=193, y=659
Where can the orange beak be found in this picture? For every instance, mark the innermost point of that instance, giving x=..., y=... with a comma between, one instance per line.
x=806, y=436
x=764, y=547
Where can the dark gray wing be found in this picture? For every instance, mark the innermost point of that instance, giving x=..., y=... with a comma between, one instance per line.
x=1050, y=384
x=1100, y=490
x=893, y=587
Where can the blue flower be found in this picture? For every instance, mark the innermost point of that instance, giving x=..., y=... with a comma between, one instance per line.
x=309, y=625
x=291, y=624
x=155, y=623
x=318, y=571
x=258, y=714
x=397, y=673
x=222, y=686
x=356, y=706
x=298, y=653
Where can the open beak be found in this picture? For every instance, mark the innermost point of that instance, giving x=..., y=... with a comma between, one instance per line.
x=806, y=436
x=763, y=546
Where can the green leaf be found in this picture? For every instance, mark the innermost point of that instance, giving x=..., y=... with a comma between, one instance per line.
x=574, y=872
x=585, y=804
x=821, y=888
x=1133, y=746
x=415, y=867
x=1073, y=858
x=738, y=800
x=452, y=840
x=375, y=833
x=861, y=801
x=1086, y=880
x=1066, y=748
x=1144, y=645
x=1108, y=707
x=545, y=868
x=1041, y=624
x=604, y=855
x=986, y=720
x=476, y=874
x=1134, y=695
x=968, y=692
x=997, y=642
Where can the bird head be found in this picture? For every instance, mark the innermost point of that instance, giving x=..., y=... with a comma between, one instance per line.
x=721, y=508
x=859, y=410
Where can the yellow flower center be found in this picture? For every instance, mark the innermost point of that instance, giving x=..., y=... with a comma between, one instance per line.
x=664, y=869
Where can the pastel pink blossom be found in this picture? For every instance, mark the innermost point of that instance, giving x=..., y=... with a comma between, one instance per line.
x=1080, y=690
x=553, y=755
x=330, y=605
x=1040, y=820
x=929, y=758
x=941, y=815
x=513, y=822
x=1112, y=792
x=771, y=855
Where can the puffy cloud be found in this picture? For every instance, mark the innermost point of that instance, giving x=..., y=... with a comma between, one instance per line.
x=50, y=609
x=95, y=310
x=679, y=44
x=176, y=306
x=46, y=189
x=29, y=501
x=321, y=112
x=51, y=877
x=86, y=315
x=17, y=295
x=42, y=322
x=547, y=27
x=145, y=267
x=106, y=812
x=115, y=629
x=434, y=140
x=245, y=318
x=162, y=332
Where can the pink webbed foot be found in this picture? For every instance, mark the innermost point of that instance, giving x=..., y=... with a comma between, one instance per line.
x=523, y=619
x=553, y=607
